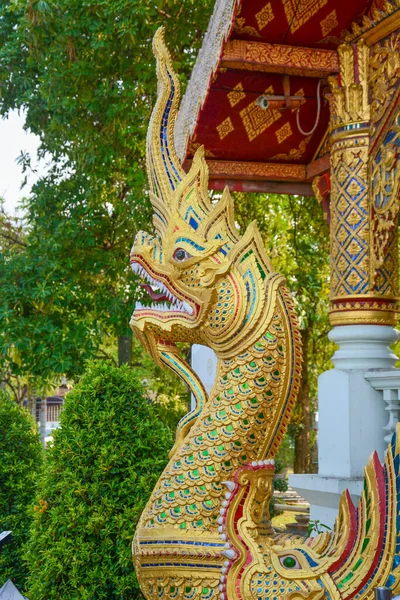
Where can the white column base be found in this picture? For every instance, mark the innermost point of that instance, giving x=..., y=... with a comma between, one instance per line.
x=364, y=347
x=352, y=418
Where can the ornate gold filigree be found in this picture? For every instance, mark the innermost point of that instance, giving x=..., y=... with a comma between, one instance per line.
x=298, y=14
x=225, y=128
x=364, y=196
x=264, y=565
x=350, y=96
x=283, y=132
x=236, y=95
x=384, y=75
x=349, y=217
x=257, y=170
x=294, y=153
x=376, y=25
x=329, y=23
x=280, y=58
x=264, y=16
x=240, y=27
x=384, y=174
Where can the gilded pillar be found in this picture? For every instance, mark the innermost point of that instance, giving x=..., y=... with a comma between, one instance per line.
x=364, y=192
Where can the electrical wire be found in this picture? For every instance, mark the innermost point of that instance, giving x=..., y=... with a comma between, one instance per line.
x=318, y=113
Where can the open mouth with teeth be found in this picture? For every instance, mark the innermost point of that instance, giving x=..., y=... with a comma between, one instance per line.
x=164, y=300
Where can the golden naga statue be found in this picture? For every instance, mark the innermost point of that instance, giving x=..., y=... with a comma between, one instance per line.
x=205, y=533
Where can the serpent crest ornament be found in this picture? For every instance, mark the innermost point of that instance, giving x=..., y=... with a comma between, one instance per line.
x=205, y=532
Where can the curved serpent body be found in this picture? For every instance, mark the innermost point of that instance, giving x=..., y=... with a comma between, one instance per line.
x=205, y=532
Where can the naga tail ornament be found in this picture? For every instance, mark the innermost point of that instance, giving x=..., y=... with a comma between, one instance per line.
x=216, y=287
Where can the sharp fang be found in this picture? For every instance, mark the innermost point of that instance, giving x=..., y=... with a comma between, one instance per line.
x=229, y=484
x=176, y=304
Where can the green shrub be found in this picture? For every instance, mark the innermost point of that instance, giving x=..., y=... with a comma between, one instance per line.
x=99, y=473
x=20, y=460
x=170, y=410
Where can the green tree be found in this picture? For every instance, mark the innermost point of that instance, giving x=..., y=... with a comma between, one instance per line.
x=297, y=240
x=85, y=75
x=20, y=461
x=104, y=462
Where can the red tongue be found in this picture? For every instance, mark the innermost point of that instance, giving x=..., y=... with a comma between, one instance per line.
x=157, y=296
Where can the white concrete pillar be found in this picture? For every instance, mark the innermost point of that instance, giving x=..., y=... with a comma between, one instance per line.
x=204, y=363
x=352, y=417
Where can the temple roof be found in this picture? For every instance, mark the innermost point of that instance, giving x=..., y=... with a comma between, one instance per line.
x=257, y=47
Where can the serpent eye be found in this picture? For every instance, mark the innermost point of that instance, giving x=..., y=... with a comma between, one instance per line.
x=180, y=255
x=289, y=562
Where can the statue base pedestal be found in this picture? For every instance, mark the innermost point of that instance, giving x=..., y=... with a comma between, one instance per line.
x=352, y=418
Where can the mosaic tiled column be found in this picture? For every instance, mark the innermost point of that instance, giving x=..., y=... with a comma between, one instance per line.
x=364, y=204
x=364, y=208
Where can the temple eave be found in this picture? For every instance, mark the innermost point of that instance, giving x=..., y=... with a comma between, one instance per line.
x=279, y=178
x=381, y=29
x=278, y=58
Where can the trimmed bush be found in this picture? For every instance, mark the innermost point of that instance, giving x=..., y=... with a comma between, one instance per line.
x=20, y=460
x=99, y=473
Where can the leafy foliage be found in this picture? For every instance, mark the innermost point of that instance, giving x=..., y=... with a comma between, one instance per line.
x=20, y=461
x=104, y=463
x=85, y=75
x=297, y=240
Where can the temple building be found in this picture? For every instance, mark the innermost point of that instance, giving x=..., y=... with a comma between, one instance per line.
x=302, y=97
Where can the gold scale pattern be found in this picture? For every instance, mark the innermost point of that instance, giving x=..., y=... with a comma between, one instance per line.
x=229, y=434
x=236, y=304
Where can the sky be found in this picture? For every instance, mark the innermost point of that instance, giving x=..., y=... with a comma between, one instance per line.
x=14, y=140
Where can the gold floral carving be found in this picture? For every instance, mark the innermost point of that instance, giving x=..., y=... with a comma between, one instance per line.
x=384, y=75
x=294, y=153
x=265, y=16
x=256, y=170
x=350, y=103
x=283, y=132
x=276, y=57
x=365, y=188
x=349, y=175
x=225, y=128
x=329, y=23
x=236, y=95
x=241, y=28
x=194, y=145
x=298, y=13
x=256, y=119
x=376, y=26
x=385, y=181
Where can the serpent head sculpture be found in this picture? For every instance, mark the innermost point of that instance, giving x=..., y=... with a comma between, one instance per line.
x=211, y=285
